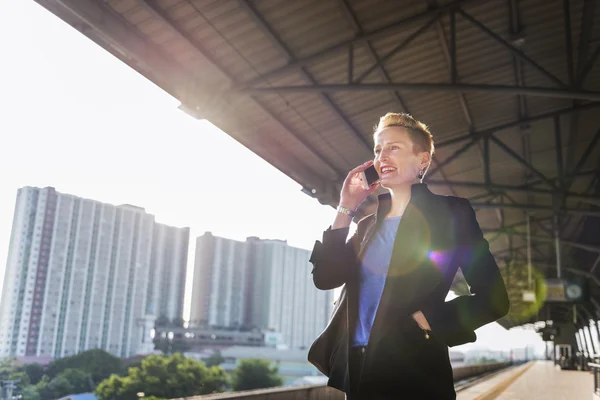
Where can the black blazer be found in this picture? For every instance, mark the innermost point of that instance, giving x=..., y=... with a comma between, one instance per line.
x=436, y=236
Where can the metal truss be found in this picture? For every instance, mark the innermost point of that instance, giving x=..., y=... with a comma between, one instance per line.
x=570, y=90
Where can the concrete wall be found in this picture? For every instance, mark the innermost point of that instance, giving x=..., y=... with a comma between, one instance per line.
x=308, y=392
x=320, y=392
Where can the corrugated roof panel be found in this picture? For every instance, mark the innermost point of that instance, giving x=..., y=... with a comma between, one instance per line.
x=368, y=103
x=214, y=9
x=491, y=109
x=180, y=11
x=420, y=62
x=367, y=120
x=476, y=52
x=137, y=15
x=335, y=69
x=440, y=111
x=122, y=6
x=306, y=29
x=374, y=14
x=167, y=4
x=151, y=27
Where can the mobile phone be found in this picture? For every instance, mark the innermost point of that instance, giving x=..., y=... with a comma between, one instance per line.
x=369, y=176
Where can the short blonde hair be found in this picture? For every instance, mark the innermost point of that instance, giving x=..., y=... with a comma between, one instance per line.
x=417, y=131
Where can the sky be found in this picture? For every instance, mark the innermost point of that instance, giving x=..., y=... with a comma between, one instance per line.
x=74, y=117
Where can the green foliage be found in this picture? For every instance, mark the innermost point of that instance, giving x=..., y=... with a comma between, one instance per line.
x=98, y=364
x=164, y=377
x=76, y=374
x=215, y=359
x=7, y=368
x=20, y=376
x=255, y=374
x=30, y=393
x=69, y=381
x=35, y=372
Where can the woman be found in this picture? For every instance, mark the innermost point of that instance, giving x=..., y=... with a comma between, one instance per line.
x=391, y=328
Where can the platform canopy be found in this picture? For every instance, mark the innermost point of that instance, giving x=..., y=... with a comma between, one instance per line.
x=509, y=88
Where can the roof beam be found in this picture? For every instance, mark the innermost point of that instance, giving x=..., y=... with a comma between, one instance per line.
x=510, y=47
x=549, y=239
x=277, y=42
x=450, y=56
x=384, y=31
x=430, y=87
x=587, y=23
x=399, y=47
x=521, y=161
x=519, y=189
x=519, y=122
x=353, y=19
x=568, y=41
x=534, y=207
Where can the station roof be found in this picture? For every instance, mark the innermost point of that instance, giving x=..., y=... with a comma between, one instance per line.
x=510, y=90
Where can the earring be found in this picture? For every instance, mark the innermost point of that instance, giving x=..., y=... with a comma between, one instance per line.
x=421, y=173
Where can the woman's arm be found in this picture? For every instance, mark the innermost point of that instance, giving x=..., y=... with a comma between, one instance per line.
x=488, y=301
x=332, y=258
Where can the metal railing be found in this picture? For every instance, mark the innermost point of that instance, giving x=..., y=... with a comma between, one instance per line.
x=595, y=368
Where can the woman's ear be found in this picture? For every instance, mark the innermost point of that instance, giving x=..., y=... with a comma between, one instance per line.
x=425, y=160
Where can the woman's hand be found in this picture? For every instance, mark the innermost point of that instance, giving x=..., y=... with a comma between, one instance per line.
x=353, y=193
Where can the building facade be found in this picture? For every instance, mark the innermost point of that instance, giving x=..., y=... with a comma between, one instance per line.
x=219, y=286
x=168, y=267
x=78, y=276
x=264, y=284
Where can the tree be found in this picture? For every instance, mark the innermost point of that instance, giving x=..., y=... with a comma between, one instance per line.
x=165, y=378
x=35, y=372
x=98, y=364
x=215, y=359
x=67, y=382
x=30, y=393
x=255, y=374
x=7, y=367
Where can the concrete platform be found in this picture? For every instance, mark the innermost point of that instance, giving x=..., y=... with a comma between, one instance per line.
x=537, y=380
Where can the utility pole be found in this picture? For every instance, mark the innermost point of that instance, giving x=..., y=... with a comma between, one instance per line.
x=9, y=386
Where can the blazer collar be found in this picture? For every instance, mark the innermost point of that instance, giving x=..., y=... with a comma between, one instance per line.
x=419, y=192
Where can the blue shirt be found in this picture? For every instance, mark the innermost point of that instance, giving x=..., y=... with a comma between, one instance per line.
x=373, y=273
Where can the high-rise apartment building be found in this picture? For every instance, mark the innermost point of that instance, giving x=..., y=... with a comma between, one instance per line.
x=262, y=283
x=83, y=274
x=219, y=286
x=168, y=266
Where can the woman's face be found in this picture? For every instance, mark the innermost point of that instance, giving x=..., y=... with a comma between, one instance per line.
x=395, y=159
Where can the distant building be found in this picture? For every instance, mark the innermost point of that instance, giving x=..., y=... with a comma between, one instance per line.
x=292, y=363
x=83, y=274
x=212, y=338
x=166, y=277
x=219, y=288
x=265, y=284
